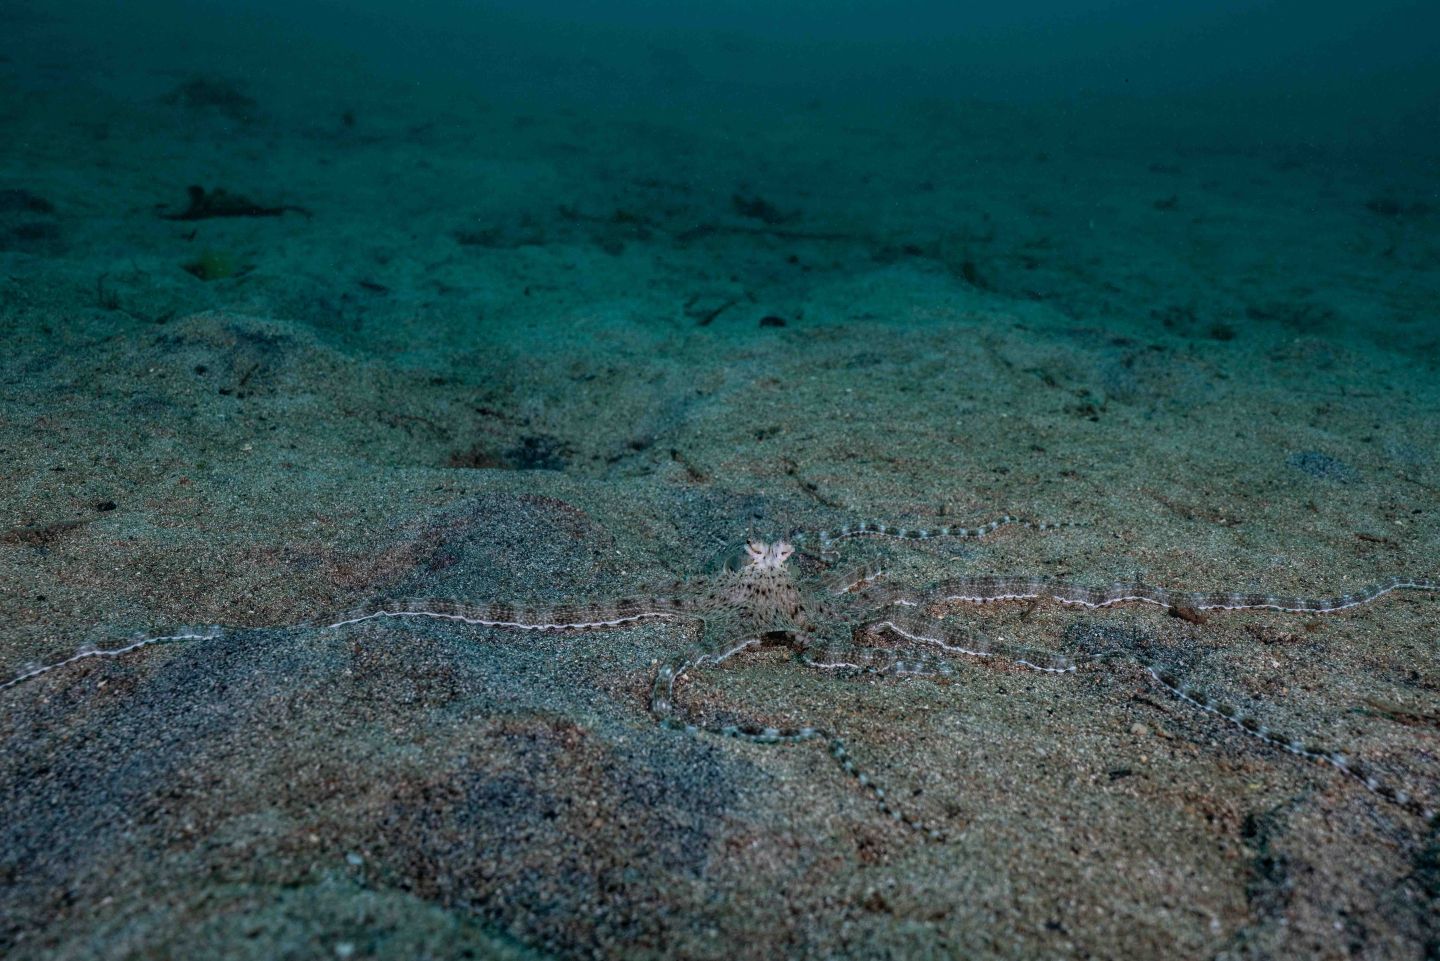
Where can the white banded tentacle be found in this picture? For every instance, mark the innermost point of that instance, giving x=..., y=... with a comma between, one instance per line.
x=717, y=648
x=987, y=589
x=662, y=706
x=828, y=538
x=205, y=634
x=915, y=625
x=882, y=661
x=842, y=757
x=616, y=613
x=619, y=613
x=886, y=662
x=1197, y=697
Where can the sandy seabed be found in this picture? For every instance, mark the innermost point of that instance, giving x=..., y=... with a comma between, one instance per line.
x=424, y=344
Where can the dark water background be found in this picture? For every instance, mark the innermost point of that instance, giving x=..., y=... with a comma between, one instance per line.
x=303, y=304
x=1328, y=70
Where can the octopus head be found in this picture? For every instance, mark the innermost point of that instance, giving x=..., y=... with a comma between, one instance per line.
x=767, y=557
